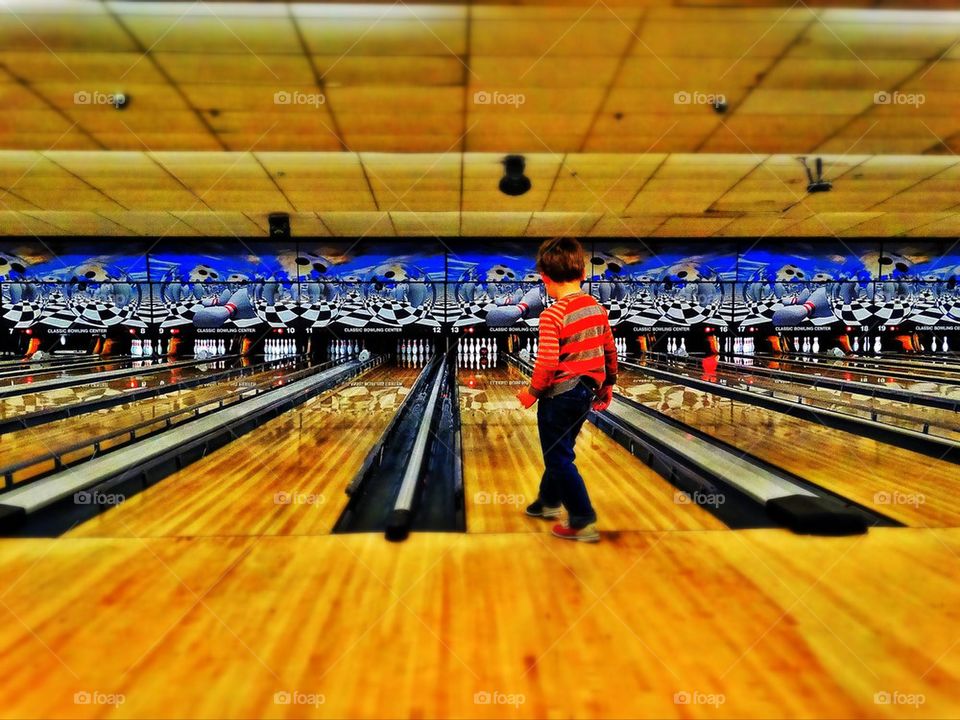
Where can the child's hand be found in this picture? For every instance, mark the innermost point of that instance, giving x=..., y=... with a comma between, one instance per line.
x=526, y=399
x=604, y=398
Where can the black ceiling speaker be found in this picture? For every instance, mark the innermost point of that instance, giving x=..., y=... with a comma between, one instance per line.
x=279, y=225
x=818, y=185
x=514, y=182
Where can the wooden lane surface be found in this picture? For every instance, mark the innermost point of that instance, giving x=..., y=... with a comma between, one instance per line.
x=49, y=373
x=877, y=365
x=839, y=371
x=51, y=437
x=780, y=625
x=907, y=486
x=503, y=465
x=944, y=423
x=286, y=477
x=11, y=407
x=893, y=362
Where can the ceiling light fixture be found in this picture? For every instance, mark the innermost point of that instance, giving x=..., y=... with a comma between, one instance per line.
x=514, y=182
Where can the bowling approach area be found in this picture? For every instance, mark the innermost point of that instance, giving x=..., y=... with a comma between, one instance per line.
x=269, y=291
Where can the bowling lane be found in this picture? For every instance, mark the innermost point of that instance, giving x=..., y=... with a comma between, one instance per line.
x=287, y=477
x=943, y=423
x=152, y=376
x=840, y=371
x=859, y=364
x=909, y=487
x=53, y=437
x=49, y=373
x=502, y=465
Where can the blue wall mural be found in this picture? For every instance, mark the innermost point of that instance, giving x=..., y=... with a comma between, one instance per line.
x=478, y=285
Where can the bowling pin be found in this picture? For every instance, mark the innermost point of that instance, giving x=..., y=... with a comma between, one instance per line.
x=877, y=345
x=945, y=346
x=816, y=345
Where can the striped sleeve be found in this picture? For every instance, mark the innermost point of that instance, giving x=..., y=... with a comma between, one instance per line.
x=548, y=355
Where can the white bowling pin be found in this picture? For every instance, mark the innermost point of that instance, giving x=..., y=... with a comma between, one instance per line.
x=816, y=345
x=946, y=346
x=877, y=345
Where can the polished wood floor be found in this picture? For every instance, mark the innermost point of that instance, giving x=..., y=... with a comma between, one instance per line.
x=220, y=591
x=762, y=623
x=287, y=477
x=15, y=405
x=904, y=485
x=940, y=422
x=55, y=437
x=503, y=465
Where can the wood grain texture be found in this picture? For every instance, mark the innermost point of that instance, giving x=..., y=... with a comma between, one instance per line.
x=841, y=371
x=22, y=445
x=778, y=625
x=287, y=477
x=503, y=464
x=941, y=422
x=907, y=486
x=151, y=377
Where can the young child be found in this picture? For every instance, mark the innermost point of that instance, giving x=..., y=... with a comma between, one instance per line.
x=576, y=368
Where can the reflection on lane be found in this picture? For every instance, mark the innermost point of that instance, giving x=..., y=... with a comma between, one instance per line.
x=153, y=376
x=287, y=477
x=840, y=371
x=47, y=373
x=943, y=423
x=52, y=437
x=502, y=465
x=862, y=469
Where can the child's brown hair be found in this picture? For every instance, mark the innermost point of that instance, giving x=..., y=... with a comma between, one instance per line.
x=561, y=259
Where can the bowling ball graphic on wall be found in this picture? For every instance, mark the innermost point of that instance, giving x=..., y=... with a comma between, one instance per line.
x=306, y=266
x=601, y=266
x=100, y=294
x=398, y=293
x=22, y=301
x=688, y=292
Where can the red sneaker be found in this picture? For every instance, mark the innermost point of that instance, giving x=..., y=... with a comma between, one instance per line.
x=584, y=534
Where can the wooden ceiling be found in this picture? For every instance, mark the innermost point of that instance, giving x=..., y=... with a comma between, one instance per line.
x=387, y=135
x=595, y=77
x=448, y=194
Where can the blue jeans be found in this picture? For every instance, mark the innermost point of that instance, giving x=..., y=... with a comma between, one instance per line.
x=559, y=420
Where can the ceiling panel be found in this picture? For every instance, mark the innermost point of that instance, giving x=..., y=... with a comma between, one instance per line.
x=607, y=77
x=345, y=194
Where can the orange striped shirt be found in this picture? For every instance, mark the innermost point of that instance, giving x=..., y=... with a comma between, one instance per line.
x=575, y=342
